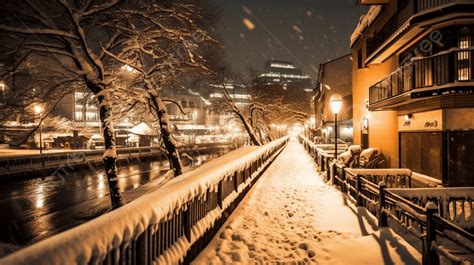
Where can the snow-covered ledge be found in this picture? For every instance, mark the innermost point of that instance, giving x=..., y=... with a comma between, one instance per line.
x=90, y=243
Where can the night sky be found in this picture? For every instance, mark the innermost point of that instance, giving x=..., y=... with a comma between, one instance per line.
x=306, y=32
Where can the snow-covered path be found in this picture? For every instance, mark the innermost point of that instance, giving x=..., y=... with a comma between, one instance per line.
x=292, y=216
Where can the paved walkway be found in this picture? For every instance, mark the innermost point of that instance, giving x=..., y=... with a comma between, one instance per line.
x=292, y=216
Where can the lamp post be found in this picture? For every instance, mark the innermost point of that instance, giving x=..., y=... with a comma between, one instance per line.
x=336, y=104
x=38, y=110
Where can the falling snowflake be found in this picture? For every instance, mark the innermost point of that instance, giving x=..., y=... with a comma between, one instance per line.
x=248, y=23
x=297, y=29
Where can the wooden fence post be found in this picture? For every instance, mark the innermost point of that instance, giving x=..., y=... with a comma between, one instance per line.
x=359, y=190
x=383, y=222
x=430, y=256
x=343, y=180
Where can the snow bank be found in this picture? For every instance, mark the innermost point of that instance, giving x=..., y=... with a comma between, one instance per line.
x=90, y=242
x=369, y=153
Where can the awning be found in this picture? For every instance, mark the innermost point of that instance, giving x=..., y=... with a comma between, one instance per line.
x=144, y=130
x=97, y=138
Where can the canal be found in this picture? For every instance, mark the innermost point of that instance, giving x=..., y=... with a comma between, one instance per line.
x=33, y=209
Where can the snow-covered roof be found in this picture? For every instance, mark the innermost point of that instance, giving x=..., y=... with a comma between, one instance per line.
x=97, y=137
x=184, y=127
x=143, y=129
x=365, y=21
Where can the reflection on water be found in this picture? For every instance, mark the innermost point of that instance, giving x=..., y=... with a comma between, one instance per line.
x=30, y=208
x=39, y=198
x=101, y=186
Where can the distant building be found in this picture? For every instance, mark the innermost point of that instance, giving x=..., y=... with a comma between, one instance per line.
x=81, y=108
x=413, y=84
x=285, y=74
x=335, y=76
x=219, y=113
x=195, y=109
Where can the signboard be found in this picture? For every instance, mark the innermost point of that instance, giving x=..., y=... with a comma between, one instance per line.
x=423, y=121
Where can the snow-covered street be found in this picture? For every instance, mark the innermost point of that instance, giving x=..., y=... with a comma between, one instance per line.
x=291, y=215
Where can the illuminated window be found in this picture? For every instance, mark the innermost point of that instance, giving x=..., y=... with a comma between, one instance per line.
x=464, y=58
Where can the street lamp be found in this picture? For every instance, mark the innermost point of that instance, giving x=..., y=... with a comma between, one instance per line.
x=336, y=104
x=38, y=110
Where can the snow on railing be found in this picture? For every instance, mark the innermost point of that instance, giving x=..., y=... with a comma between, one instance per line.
x=441, y=238
x=454, y=204
x=392, y=177
x=160, y=226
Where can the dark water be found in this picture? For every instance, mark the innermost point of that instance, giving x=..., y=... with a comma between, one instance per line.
x=34, y=209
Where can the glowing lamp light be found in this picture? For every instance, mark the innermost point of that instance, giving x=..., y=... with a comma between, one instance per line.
x=336, y=103
x=38, y=109
x=128, y=68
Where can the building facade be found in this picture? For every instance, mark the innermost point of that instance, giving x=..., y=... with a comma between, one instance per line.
x=413, y=78
x=285, y=74
x=335, y=76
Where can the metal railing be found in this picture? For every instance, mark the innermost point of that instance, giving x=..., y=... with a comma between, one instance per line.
x=455, y=65
x=410, y=8
x=167, y=226
x=418, y=212
x=20, y=164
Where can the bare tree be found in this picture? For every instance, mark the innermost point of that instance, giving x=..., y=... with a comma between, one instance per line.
x=31, y=84
x=171, y=43
x=246, y=121
x=77, y=35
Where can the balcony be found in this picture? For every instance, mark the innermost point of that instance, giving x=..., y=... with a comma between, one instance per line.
x=410, y=13
x=448, y=72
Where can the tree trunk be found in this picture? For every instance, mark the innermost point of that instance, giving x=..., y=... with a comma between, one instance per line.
x=170, y=143
x=249, y=129
x=110, y=154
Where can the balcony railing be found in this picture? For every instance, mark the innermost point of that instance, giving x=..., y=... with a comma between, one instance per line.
x=398, y=19
x=433, y=71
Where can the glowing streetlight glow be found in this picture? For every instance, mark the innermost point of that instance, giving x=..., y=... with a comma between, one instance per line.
x=336, y=103
x=38, y=109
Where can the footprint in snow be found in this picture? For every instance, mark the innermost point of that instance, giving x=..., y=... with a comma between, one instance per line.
x=303, y=246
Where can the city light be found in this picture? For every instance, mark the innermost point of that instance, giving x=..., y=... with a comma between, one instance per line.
x=336, y=103
x=168, y=132
x=38, y=109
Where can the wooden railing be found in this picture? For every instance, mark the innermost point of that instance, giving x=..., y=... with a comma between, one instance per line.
x=420, y=213
x=323, y=154
x=168, y=226
x=454, y=204
x=447, y=67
